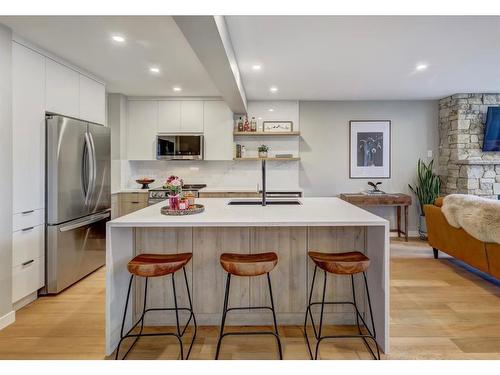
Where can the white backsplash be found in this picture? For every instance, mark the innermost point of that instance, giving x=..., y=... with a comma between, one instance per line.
x=216, y=174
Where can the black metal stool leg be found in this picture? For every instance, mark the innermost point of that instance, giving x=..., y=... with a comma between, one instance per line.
x=224, y=312
x=124, y=316
x=355, y=304
x=177, y=316
x=321, y=317
x=192, y=313
x=371, y=315
x=274, y=316
x=308, y=311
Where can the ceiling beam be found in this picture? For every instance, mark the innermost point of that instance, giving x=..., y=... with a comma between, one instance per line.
x=209, y=38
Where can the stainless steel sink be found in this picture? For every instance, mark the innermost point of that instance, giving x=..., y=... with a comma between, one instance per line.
x=269, y=202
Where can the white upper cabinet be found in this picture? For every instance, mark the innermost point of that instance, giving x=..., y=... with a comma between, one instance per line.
x=28, y=115
x=92, y=100
x=169, y=116
x=142, y=127
x=218, y=124
x=180, y=116
x=192, y=116
x=62, y=89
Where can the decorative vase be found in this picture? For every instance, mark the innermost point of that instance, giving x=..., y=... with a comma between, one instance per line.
x=173, y=202
x=262, y=154
x=422, y=227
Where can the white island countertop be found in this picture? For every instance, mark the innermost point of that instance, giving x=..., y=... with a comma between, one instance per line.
x=324, y=211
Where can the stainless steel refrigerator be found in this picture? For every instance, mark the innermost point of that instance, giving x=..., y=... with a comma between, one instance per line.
x=78, y=199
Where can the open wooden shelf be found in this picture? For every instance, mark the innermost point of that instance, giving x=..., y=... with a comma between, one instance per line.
x=256, y=159
x=260, y=134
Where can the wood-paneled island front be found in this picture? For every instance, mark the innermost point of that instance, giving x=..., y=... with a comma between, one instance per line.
x=319, y=224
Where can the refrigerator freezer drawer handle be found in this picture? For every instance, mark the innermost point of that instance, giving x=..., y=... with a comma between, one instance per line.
x=92, y=220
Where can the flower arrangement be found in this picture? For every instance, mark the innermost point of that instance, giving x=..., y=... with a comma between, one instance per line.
x=174, y=185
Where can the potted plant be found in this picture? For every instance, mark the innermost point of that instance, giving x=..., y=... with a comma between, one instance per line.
x=426, y=190
x=263, y=149
x=174, y=187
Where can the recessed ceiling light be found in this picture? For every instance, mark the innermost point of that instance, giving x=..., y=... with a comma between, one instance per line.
x=177, y=88
x=154, y=69
x=273, y=89
x=421, y=67
x=271, y=109
x=118, y=38
x=257, y=67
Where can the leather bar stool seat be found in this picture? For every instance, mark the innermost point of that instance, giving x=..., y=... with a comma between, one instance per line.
x=248, y=264
x=153, y=265
x=348, y=263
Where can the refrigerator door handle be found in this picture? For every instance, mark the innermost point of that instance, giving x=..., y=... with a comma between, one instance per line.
x=79, y=224
x=94, y=163
x=90, y=169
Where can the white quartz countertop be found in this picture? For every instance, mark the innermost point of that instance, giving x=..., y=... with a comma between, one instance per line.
x=328, y=211
x=223, y=189
x=216, y=189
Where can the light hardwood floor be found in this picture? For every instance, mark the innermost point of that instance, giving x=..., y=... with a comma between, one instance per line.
x=439, y=310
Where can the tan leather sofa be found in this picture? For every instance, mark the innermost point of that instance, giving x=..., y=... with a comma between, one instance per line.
x=458, y=243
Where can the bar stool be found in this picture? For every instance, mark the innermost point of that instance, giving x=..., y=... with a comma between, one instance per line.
x=156, y=265
x=349, y=263
x=248, y=265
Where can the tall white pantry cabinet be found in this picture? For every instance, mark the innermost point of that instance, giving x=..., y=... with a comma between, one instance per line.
x=39, y=85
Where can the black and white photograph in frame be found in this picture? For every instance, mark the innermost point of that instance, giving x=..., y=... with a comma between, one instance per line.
x=370, y=149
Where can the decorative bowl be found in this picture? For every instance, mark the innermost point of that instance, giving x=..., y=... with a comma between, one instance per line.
x=145, y=182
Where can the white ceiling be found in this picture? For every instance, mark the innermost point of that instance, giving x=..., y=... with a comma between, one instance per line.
x=362, y=57
x=85, y=42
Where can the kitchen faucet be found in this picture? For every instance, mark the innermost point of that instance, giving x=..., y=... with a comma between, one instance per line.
x=263, y=182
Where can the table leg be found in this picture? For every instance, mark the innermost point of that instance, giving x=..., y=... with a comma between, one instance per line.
x=406, y=223
x=398, y=210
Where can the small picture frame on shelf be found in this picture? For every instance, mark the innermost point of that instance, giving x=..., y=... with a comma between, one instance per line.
x=277, y=126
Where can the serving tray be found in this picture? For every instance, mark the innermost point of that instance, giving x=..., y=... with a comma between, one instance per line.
x=194, y=209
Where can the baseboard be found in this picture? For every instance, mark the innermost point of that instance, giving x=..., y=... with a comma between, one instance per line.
x=411, y=233
x=25, y=301
x=7, y=319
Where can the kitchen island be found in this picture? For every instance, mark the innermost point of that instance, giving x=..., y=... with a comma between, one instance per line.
x=319, y=224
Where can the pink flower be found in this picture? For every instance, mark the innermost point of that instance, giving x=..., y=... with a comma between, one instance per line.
x=176, y=183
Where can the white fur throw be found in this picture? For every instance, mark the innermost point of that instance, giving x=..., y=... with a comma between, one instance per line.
x=480, y=217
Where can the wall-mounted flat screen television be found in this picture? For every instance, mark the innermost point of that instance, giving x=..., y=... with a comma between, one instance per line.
x=492, y=130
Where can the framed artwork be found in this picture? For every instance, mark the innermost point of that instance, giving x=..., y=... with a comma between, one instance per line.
x=370, y=149
x=277, y=126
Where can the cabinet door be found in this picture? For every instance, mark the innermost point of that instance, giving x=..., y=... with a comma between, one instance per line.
x=169, y=116
x=92, y=100
x=218, y=125
x=28, y=117
x=142, y=126
x=130, y=202
x=192, y=116
x=62, y=89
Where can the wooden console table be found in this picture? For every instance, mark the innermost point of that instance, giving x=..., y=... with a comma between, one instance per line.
x=398, y=200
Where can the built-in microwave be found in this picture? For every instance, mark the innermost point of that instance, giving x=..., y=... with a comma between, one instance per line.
x=179, y=147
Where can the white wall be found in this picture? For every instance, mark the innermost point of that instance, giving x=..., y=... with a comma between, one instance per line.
x=6, y=173
x=216, y=174
x=324, y=146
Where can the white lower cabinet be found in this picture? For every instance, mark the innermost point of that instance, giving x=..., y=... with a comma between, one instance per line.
x=27, y=245
x=27, y=278
x=28, y=261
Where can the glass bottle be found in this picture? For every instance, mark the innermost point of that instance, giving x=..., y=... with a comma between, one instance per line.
x=246, y=125
x=253, y=125
x=240, y=125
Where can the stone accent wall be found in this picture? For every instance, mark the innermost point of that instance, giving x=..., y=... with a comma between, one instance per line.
x=462, y=165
